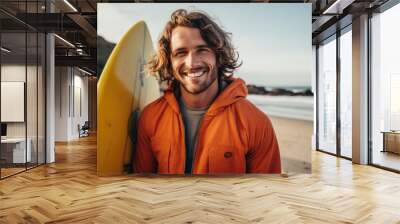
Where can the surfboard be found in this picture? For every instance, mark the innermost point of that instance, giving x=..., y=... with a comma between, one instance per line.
x=123, y=90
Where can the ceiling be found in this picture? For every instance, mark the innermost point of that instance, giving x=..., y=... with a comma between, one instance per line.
x=76, y=22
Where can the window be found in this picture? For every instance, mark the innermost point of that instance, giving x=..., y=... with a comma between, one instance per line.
x=385, y=89
x=327, y=96
x=346, y=92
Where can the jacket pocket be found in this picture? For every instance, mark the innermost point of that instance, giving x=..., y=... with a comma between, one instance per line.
x=226, y=159
x=162, y=153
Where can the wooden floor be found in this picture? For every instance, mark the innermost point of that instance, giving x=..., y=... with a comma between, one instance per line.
x=70, y=192
x=10, y=171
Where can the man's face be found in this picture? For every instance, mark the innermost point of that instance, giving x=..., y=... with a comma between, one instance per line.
x=193, y=62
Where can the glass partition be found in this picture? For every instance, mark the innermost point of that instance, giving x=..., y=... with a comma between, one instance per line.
x=32, y=95
x=14, y=153
x=22, y=88
x=385, y=89
x=327, y=95
x=41, y=87
x=346, y=93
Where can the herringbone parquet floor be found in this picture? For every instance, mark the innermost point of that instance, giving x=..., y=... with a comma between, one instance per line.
x=70, y=192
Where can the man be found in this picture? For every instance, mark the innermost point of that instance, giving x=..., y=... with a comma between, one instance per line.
x=203, y=124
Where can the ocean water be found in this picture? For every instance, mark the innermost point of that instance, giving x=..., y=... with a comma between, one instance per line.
x=294, y=107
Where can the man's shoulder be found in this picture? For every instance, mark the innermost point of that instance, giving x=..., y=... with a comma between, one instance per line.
x=251, y=113
x=246, y=106
x=153, y=110
x=154, y=107
x=156, y=103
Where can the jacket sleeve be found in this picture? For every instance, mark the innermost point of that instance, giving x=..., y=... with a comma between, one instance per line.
x=263, y=155
x=144, y=160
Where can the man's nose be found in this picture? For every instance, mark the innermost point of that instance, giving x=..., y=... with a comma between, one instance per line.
x=191, y=60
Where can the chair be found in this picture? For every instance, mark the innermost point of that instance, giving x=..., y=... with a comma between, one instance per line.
x=84, y=130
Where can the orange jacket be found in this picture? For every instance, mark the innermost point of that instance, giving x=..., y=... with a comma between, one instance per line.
x=234, y=137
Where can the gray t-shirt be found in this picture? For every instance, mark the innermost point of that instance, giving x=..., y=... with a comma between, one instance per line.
x=191, y=119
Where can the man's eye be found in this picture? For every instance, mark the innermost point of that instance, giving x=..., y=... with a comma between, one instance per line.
x=179, y=54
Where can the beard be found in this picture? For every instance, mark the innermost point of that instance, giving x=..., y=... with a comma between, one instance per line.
x=198, y=79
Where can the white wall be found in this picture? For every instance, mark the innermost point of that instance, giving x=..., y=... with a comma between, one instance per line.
x=16, y=73
x=61, y=103
x=33, y=126
x=71, y=94
x=81, y=82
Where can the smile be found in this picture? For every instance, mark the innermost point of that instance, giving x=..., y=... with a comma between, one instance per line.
x=197, y=74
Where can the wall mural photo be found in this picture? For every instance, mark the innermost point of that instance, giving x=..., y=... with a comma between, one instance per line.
x=191, y=89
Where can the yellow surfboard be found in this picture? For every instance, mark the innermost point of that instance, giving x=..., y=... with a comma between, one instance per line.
x=123, y=90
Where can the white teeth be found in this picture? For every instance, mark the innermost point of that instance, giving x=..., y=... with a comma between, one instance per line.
x=196, y=74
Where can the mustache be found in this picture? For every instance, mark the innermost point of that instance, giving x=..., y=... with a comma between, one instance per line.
x=185, y=69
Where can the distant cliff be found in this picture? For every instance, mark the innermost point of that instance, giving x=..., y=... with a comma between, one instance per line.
x=104, y=49
x=260, y=90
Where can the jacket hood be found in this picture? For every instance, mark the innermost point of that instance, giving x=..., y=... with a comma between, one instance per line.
x=234, y=91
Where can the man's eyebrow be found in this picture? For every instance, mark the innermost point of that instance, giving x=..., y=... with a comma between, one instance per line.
x=203, y=46
x=197, y=47
x=179, y=49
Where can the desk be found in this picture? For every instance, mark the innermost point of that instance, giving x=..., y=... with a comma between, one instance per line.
x=13, y=150
x=391, y=141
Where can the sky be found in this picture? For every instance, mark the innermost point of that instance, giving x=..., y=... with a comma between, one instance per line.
x=273, y=40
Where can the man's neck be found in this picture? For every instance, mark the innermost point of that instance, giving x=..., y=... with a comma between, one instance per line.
x=200, y=100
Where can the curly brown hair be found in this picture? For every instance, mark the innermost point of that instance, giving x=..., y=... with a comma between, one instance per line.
x=216, y=38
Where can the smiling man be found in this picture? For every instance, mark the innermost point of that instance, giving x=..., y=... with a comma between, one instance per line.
x=203, y=124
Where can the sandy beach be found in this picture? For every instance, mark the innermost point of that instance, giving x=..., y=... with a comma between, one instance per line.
x=294, y=138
